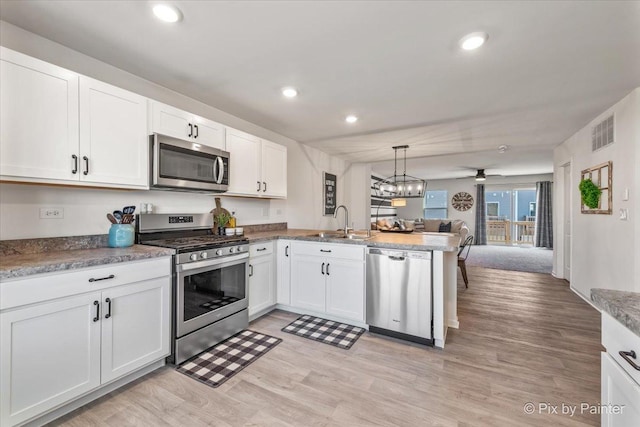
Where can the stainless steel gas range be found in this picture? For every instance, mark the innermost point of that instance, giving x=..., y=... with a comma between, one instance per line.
x=210, y=279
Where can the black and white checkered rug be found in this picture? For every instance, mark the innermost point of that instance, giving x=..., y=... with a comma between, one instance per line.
x=217, y=364
x=326, y=331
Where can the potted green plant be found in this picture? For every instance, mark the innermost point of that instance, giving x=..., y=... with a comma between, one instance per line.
x=590, y=193
x=222, y=219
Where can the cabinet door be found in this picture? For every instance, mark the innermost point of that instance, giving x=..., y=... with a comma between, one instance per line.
x=345, y=289
x=262, y=284
x=619, y=389
x=244, y=170
x=113, y=135
x=209, y=133
x=135, y=328
x=274, y=169
x=283, y=292
x=39, y=116
x=171, y=121
x=49, y=354
x=308, y=282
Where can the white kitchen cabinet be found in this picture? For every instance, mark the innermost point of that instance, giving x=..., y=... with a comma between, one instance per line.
x=60, y=127
x=50, y=353
x=620, y=377
x=262, y=278
x=283, y=272
x=113, y=135
x=171, y=121
x=125, y=348
x=39, y=117
x=258, y=167
x=328, y=278
x=67, y=334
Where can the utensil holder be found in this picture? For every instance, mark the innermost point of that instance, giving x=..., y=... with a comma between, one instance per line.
x=121, y=235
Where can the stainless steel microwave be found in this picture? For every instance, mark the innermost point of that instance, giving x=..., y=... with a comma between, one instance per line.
x=187, y=166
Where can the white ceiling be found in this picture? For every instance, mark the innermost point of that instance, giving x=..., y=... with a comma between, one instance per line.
x=547, y=69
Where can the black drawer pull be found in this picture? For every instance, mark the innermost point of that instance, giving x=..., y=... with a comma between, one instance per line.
x=325, y=250
x=626, y=355
x=108, y=301
x=111, y=276
x=97, y=304
x=261, y=249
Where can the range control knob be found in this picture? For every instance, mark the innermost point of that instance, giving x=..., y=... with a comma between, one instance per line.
x=219, y=252
x=232, y=250
x=240, y=249
x=204, y=255
x=193, y=257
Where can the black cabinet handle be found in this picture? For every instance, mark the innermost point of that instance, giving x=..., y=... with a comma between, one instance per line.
x=111, y=276
x=325, y=250
x=97, y=304
x=322, y=269
x=86, y=165
x=75, y=164
x=190, y=130
x=108, y=301
x=250, y=270
x=626, y=355
x=265, y=186
x=261, y=249
x=328, y=269
x=197, y=133
x=286, y=251
x=258, y=185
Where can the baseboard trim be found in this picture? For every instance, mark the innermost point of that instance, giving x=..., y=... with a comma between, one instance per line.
x=584, y=298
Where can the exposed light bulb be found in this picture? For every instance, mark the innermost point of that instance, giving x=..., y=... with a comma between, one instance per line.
x=167, y=13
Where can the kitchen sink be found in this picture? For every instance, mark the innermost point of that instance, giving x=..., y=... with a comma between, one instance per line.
x=334, y=235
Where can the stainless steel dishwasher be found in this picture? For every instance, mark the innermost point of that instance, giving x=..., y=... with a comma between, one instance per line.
x=399, y=294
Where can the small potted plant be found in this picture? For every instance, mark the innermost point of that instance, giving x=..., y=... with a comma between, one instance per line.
x=222, y=219
x=590, y=193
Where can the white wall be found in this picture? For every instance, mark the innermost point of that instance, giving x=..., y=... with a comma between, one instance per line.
x=453, y=186
x=604, y=248
x=85, y=209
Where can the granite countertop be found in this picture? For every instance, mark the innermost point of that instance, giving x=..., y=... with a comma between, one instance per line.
x=26, y=264
x=419, y=241
x=623, y=306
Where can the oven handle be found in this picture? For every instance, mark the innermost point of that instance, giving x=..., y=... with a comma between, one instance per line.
x=208, y=264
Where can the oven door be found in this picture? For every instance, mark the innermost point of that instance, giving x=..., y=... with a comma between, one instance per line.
x=184, y=165
x=208, y=291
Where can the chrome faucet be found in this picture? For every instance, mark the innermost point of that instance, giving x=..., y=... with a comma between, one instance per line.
x=346, y=217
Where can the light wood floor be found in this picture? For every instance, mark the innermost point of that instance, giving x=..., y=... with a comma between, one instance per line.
x=523, y=337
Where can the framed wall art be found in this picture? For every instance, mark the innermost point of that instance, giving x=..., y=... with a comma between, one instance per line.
x=596, y=195
x=329, y=190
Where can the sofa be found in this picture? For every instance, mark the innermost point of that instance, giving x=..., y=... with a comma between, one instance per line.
x=433, y=226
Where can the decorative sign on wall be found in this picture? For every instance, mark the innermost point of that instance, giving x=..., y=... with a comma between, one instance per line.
x=596, y=186
x=462, y=201
x=329, y=190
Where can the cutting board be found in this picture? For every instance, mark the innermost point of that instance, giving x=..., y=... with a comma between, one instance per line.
x=218, y=210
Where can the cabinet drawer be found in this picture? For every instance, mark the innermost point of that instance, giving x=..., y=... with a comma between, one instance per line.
x=46, y=287
x=343, y=251
x=260, y=249
x=616, y=338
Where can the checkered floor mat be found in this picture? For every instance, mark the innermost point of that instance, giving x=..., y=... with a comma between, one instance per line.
x=222, y=361
x=326, y=331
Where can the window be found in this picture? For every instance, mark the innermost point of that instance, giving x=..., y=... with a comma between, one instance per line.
x=436, y=203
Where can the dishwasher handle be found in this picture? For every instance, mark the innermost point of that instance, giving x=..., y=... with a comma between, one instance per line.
x=396, y=258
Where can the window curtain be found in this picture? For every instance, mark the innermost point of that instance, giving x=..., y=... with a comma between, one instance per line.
x=481, y=216
x=544, y=216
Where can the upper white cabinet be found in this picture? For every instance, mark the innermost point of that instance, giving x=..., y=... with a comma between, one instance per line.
x=39, y=118
x=60, y=127
x=258, y=167
x=113, y=135
x=171, y=121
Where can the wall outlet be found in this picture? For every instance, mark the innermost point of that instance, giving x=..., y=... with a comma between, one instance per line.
x=624, y=214
x=51, y=213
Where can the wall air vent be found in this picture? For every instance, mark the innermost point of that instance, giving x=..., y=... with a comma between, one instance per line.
x=602, y=134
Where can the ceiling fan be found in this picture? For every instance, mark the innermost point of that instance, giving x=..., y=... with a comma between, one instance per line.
x=480, y=174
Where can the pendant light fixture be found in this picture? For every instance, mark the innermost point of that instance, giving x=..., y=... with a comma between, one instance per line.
x=398, y=188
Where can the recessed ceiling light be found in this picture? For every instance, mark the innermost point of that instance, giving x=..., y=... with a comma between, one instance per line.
x=473, y=41
x=167, y=13
x=289, y=92
x=351, y=119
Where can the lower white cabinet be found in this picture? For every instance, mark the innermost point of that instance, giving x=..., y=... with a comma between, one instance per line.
x=56, y=350
x=328, y=279
x=283, y=272
x=262, y=278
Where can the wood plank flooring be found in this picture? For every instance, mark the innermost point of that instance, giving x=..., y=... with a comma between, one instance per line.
x=523, y=337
